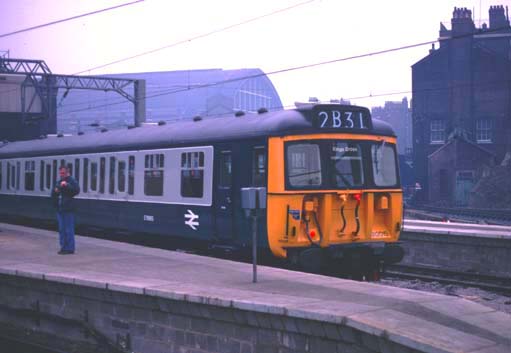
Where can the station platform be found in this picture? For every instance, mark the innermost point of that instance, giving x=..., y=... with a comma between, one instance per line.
x=417, y=321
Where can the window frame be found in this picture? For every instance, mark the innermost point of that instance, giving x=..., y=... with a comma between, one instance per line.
x=484, y=134
x=186, y=165
x=437, y=132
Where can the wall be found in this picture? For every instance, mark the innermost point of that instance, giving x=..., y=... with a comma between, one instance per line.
x=80, y=315
x=474, y=254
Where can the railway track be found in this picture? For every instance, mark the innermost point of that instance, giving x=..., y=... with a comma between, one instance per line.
x=466, y=215
x=495, y=284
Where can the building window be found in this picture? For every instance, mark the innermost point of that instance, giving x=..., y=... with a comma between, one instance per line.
x=192, y=174
x=437, y=131
x=29, y=175
x=484, y=131
x=153, y=174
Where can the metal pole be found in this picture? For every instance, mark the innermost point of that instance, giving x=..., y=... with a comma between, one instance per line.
x=254, y=246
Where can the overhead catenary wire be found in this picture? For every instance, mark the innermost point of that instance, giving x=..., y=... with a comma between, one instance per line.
x=270, y=108
x=199, y=36
x=69, y=19
x=295, y=68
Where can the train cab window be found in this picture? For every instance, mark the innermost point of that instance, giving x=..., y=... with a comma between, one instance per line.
x=94, y=176
x=111, y=179
x=102, y=170
x=225, y=176
x=303, y=164
x=345, y=164
x=131, y=175
x=41, y=175
x=85, y=174
x=153, y=174
x=192, y=174
x=77, y=171
x=29, y=175
x=48, y=176
x=121, y=176
x=384, y=164
x=259, y=167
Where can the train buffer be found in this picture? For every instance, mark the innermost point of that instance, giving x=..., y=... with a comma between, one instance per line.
x=150, y=300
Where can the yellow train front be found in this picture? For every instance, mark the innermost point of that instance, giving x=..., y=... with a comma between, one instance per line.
x=334, y=200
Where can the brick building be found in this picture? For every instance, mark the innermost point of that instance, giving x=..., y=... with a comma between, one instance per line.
x=462, y=92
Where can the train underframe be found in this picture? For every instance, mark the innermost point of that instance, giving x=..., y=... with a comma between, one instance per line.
x=365, y=261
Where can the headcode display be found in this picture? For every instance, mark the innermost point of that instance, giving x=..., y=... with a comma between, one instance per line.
x=328, y=117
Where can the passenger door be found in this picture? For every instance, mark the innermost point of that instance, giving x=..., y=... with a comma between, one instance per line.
x=223, y=201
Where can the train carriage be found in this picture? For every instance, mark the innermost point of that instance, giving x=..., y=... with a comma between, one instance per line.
x=329, y=172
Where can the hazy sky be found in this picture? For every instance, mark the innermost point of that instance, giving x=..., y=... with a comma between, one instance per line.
x=317, y=31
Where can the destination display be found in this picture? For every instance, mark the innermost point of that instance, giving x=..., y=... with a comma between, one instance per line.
x=328, y=117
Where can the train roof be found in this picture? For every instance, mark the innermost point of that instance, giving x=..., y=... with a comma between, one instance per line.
x=205, y=131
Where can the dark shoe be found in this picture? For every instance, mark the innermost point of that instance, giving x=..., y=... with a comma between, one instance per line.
x=66, y=252
x=62, y=252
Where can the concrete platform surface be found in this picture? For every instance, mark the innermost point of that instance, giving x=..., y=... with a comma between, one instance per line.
x=423, y=321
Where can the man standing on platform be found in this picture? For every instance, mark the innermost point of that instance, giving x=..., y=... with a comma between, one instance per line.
x=62, y=196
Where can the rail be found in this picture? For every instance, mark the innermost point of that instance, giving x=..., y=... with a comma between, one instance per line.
x=455, y=228
x=483, y=213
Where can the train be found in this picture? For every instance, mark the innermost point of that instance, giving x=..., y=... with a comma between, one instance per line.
x=328, y=172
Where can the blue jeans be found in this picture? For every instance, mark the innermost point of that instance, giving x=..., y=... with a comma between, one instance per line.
x=66, y=222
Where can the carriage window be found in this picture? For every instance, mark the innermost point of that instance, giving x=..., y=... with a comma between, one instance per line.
x=225, y=169
x=85, y=174
x=94, y=176
x=18, y=175
x=8, y=175
x=131, y=175
x=48, y=176
x=29, y=175
x=153, y=175
x=303, y=164
x=192, y=174
x=121, y=176
x=77, y=170
x=70, y=168
x=54, y=172
x=111, y=179
x=102, y=166
x=41, y=175
x=384, y=164
x=345, y=164
x=259, y=167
